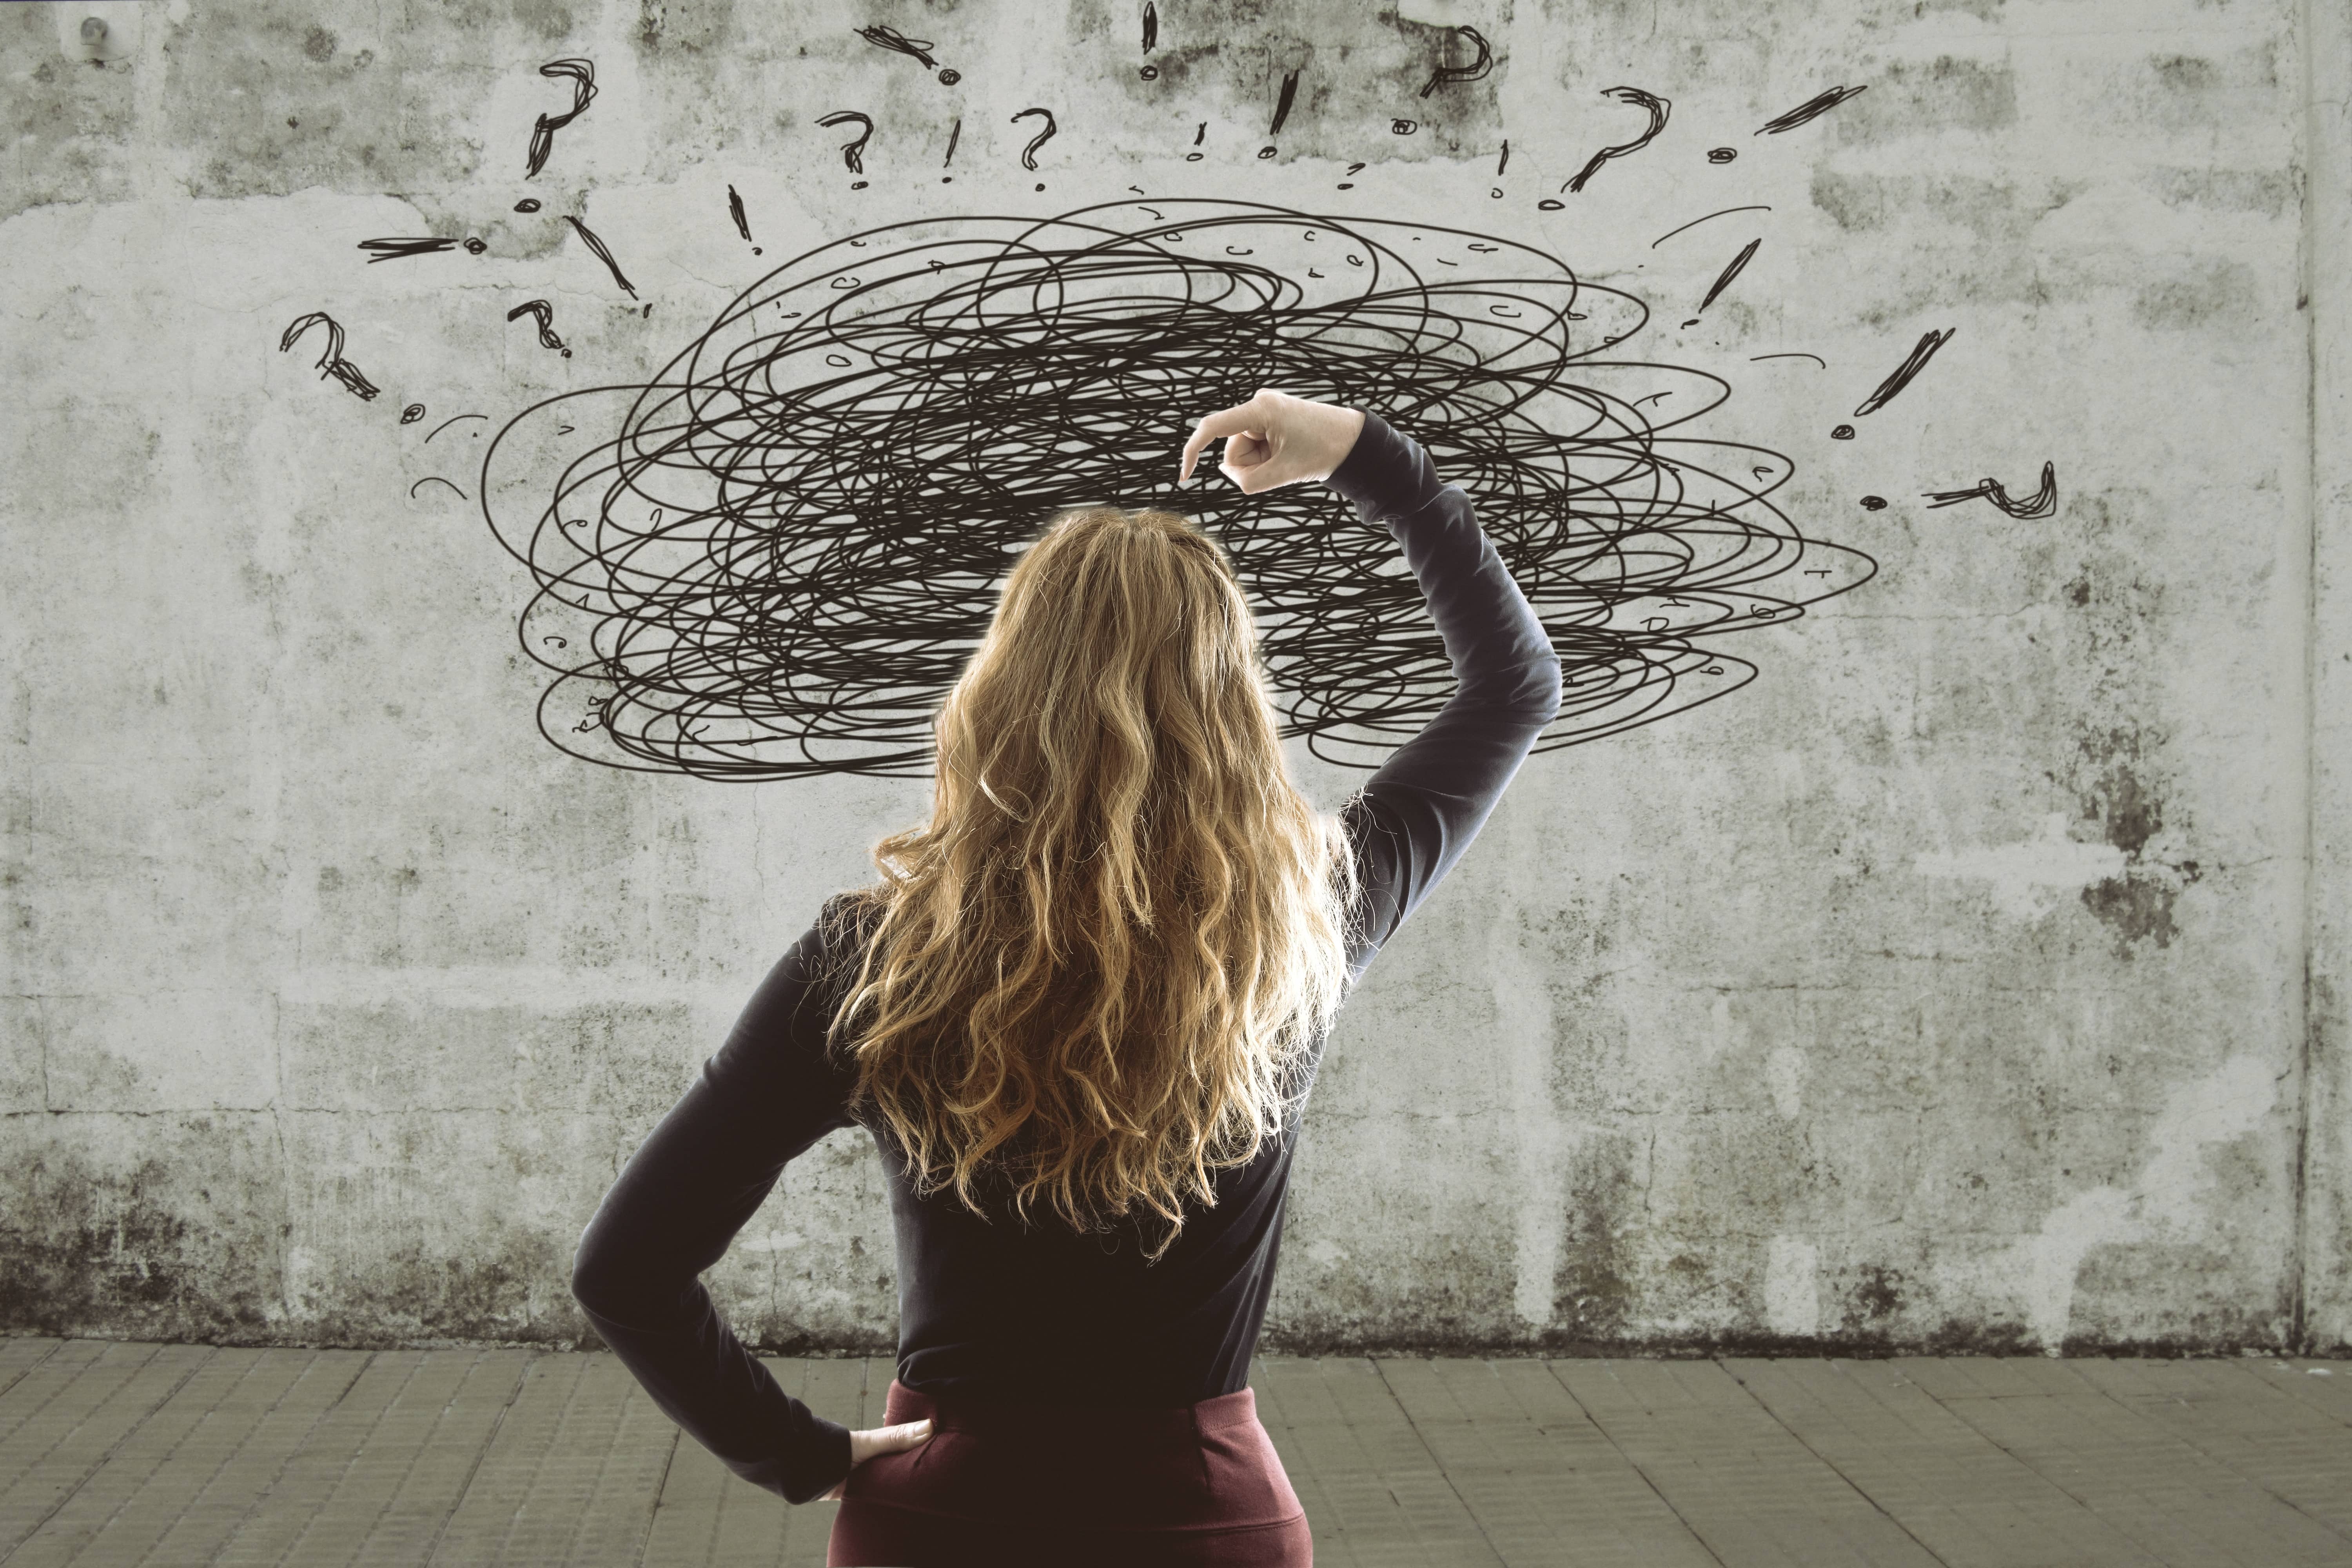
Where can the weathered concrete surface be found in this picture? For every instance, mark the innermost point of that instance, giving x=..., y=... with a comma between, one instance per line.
x=1945, y=989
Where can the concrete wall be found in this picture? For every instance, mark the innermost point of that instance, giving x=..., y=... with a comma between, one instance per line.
x=1974, y=979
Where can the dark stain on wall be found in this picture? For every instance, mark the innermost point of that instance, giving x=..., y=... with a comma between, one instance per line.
x=2118, y=794
x=87, y=1250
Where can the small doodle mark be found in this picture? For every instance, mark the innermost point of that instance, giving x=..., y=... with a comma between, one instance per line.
x=742, y=219
x=1504, y=161
x=1029, y=154
x=1282, y=106
x=1471, y=72
x=476, y=247
x=1709, y=218
x=852, y=154
x=528, y=204
x=436, y=480
x=332, y=361
x=1730, y=272
x=605, y=257
x=412, y=414
x=1815, y=358
x=454, y=419
x=1918, y=361
x=583, y=93
x=544, y=314
x=1873, y=503
x=883, y=38
x=1150, y=73
x=1404, y=127
x=396, y=249
x=1659, y=108
x=1721, y=154
x=1813, y=108
x=1842, y=433
x=2042, y=502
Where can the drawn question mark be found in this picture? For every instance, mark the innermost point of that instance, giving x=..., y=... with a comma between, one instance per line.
x=1029, y=154
x=1352, y=168
x=853, y=153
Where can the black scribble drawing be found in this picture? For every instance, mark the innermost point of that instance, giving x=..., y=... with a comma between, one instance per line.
x=1353, y=170
x=1471, y=72
x=734, y=601
x=1730, y=272
x=436, y=480
x=1920, y=355
x=891, y=38
x=395, y=249
x=1151, y=25
x=742, y=219
x=544, y=314
x=1815, y=358
x=1842, y=433
x=954, y=133
x=852, y=154
x=2042, y=502
x=1282, y=108
x=332, y=361
x=1658, y=107
x=1813, y=108
x=1873, y=503
x=583, y=93
x=454, y=419
x=1029, y=154
x=1404, y=127
x=528, y=204
x=603, y=255
x=1721, y=154
x=1504, y=161
x=412, y=414
x=1709, y=218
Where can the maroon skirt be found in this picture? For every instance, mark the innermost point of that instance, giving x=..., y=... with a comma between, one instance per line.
x=1194, y=1486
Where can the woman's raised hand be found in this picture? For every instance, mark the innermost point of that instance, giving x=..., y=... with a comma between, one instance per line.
x=1275, y=440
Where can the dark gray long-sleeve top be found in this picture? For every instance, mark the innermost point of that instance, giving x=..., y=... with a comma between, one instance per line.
x=991, y=1311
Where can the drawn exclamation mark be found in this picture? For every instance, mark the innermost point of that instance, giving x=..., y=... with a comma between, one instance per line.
x=1281, y=111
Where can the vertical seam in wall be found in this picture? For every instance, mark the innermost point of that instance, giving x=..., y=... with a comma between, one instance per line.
x=2306, y=1021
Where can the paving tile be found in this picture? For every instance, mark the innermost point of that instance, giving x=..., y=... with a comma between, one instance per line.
x=2299, y=1454
x=2174, y=1501
x=1959, y=1495
x=158, y=1470
x=1742, y=1483
x=1346, y=1450
x=60, y=1420
x=19, y=1356
x=572, y=1473
x=2324, y=1386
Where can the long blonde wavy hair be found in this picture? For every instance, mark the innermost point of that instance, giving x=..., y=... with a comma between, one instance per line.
x=1098, y=967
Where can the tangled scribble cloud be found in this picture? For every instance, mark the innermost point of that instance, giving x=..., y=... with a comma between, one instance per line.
x=780, y=560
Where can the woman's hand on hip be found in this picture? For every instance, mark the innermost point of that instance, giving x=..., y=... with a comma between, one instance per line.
x=864, y=1445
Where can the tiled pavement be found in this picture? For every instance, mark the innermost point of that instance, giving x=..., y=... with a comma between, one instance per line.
x=124, y=1453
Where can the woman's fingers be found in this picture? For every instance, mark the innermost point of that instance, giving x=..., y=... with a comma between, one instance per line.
x=1231, y=421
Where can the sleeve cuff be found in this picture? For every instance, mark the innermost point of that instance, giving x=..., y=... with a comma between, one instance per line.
x=1384, y=473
